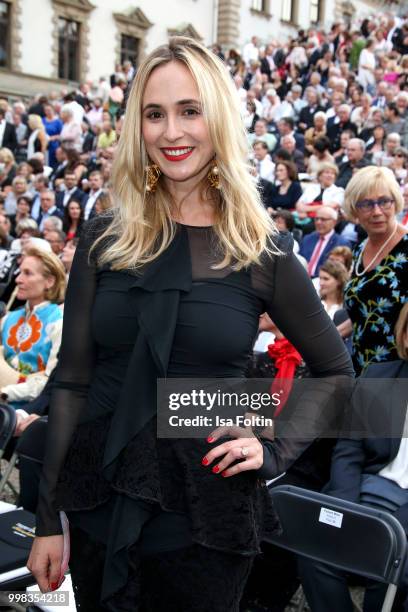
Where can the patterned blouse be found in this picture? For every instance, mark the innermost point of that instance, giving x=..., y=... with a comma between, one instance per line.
x=31, y=342
x=373, y=302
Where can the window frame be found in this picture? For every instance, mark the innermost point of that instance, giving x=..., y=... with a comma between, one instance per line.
x=67, y=39
x=319, y=8
x=7, y=46
x=292, y=17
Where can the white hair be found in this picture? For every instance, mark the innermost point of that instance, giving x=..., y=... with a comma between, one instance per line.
x=56, y=223
x=359, y=142
x=332, y=212
x=67, y=109
x=395, y=136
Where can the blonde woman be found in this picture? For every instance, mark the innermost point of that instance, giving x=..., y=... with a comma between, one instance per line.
x=31, y=335
x=37, y=140
x=170, y=284
x=7, y=168
x=378, y=286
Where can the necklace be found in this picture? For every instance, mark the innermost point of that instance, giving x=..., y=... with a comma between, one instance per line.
x=358, y=263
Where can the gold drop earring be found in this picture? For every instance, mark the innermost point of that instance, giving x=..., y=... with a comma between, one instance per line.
x=214, y=175
x=153, y=173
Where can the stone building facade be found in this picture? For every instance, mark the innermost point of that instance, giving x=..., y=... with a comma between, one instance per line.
x=46, y=44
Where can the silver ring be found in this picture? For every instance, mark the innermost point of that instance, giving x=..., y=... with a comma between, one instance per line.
x=244, y=451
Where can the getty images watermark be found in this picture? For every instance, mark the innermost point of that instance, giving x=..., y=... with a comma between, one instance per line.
x=225, y=407
x=308, y=408
x=193, y=408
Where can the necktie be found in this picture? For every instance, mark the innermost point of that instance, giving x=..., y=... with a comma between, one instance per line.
x=315, y=257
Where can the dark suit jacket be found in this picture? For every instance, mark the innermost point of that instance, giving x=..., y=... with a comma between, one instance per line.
x=84, y=201
x=9, y=138
x=309, y=242
x=77, y=195
x=299, y=160
x=378, y=408
x=300, y=141
x=346, y=171
x=334, y=131
x=306, y=114
x=55, y=213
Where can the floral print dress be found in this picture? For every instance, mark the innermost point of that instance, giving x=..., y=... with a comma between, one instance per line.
x=374, y=301
x=31, y=341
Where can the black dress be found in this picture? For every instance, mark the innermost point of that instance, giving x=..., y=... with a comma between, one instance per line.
x=287, y=200
x=180, y=318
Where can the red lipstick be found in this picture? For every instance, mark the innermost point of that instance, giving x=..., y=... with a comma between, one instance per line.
x=175, y=154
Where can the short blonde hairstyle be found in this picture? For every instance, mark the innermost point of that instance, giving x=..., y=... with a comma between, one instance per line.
x=6, y=156
x=242, y=224
x=320, y=115
x=36, y=122
x=52, y=267
x=401, y=331
x=327, y=166
x=366, y=181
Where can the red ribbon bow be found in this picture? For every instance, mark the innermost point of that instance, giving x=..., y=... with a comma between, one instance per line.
x=286, y=359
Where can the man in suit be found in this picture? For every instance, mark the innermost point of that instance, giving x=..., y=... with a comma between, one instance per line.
x=355, y=161
x=286, y=127
x=264, y=165
x=58, y=172
x=308, y=112
x=369, y=466
x=8, y=136
x=71, y=191
x=48, y=208
x=96, y=185
x=288, y=143
x=315, y=247
x=337, y=124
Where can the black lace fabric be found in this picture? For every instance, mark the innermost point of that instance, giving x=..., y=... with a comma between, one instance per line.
x=189, y=320
x=151, y=586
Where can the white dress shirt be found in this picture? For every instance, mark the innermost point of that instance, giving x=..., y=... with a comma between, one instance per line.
x=397, y=469
x=93, y=196
x=266, y=168
x=2, y=128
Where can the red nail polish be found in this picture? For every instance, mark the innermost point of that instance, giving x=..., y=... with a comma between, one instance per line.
x=54, y=586
x=216, y=469
x=210, y=439
x=205, y=461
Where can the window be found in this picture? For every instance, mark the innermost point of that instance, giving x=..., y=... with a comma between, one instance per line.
x=288, y=10
x=259, y=5
x=315, y=11
x=5, y=28
x=68, y=49
x=129, y=49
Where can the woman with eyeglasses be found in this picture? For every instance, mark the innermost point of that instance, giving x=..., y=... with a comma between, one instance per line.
x=378, y=285
x=399, y=165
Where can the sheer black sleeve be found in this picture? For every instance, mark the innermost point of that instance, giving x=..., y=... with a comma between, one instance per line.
x=292, y=303
x=73, y=374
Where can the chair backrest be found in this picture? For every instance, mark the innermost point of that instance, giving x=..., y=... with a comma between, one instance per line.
x=349, y=536
x=8, y=422
x=31, y=444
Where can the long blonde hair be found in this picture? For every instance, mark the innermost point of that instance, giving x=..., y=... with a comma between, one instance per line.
x=142, y=227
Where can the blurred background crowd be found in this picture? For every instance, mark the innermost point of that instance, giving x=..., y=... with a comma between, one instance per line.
x=316, y=108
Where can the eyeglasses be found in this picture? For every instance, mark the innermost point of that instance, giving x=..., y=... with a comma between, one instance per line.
x=369, y=205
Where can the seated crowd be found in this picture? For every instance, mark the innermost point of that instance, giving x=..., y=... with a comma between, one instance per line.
x=327, y=125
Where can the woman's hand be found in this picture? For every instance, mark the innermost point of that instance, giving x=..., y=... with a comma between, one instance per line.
x=246, y=449
x=45, y=561
x=23, y=422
